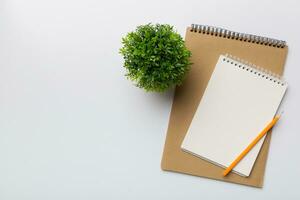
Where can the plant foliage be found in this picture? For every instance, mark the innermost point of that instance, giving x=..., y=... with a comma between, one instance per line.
x=155, y=57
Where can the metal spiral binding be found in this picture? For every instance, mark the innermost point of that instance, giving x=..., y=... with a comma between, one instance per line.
x=237, y=36
x=266, y=74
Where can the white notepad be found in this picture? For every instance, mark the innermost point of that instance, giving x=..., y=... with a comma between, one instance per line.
x=239, y=101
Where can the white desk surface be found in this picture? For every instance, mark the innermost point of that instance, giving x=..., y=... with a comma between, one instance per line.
x=72, y=126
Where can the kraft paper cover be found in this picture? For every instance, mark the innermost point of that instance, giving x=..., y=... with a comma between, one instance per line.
x=206, y=50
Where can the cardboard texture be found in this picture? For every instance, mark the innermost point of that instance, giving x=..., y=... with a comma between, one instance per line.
x=206, y=50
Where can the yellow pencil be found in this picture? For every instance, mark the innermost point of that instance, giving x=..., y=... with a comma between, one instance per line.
x=251, y=145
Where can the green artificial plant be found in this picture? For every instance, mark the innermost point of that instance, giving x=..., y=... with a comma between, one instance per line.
x=155, y=57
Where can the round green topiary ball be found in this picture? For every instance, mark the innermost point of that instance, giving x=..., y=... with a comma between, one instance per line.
x=155, y=57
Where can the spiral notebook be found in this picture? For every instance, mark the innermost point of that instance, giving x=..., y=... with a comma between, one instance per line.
x=207, y=43
x=239, y=101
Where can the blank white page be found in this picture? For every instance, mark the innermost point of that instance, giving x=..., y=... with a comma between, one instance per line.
x=238, y=103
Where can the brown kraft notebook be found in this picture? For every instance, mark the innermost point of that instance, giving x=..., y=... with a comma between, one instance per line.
x=206, y=44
